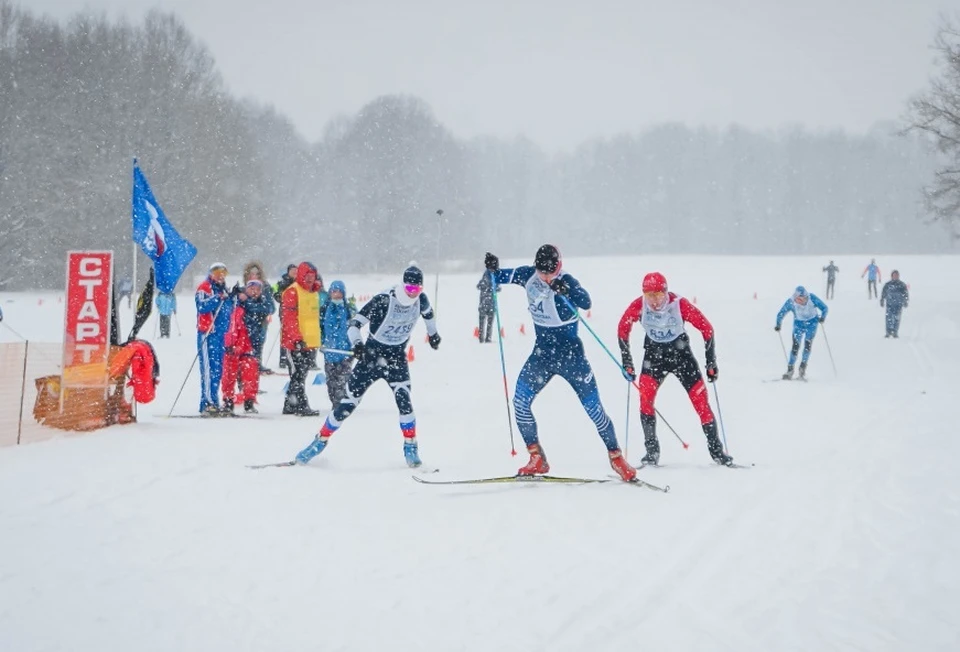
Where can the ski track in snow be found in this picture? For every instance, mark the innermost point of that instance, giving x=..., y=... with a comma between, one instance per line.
x=155, y=536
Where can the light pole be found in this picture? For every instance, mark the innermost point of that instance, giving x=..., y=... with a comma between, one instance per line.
x=436, y=285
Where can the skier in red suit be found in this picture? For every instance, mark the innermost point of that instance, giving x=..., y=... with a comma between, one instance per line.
x=666, y=350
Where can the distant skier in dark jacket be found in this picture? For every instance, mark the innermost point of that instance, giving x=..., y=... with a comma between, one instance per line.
x=831, y=271
x=895, y=296
x=486, y=307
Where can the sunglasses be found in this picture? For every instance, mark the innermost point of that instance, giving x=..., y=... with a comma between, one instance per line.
x=413, y=289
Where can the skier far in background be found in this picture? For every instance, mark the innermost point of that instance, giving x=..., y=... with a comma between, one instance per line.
x=391, y=316
x=808, y=312
x=895, y=296
x=485, y=285
x=166, y=306
x=872, y=272
x=831, y=271
x=557, y=351
x=214, y=310
x=666, y=350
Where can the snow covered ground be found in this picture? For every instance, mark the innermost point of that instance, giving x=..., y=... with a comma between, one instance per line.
x=844, y=536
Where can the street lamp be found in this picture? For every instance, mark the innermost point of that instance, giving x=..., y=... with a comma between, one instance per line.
x=436, y=285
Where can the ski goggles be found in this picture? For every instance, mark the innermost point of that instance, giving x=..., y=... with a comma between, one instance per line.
x=413, y=289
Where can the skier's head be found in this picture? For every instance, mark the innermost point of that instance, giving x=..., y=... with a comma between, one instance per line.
x=337, y=291
x=655, y=290
x=307, y=276
x=800, y=295
x=253, y=288
x=412, y=281
x=548, y=262
x=895, y=275
x=218, y=272
x=292, y=270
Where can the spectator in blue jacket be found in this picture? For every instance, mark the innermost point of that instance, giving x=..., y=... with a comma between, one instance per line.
x=166, y=306
x=335, y=317
x=895, y=296
x=808, y=312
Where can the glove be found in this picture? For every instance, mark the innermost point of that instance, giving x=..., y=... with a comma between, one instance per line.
x=777, y=328
x=435, y=341
x=300, y=345
x=235, y=290
x=629, y=373
x=712, y=371
x=491, y=262
x=358, y=349
x=560, y=286
x=822, y=319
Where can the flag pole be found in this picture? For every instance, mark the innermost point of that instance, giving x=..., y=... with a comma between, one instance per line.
x=134, y=249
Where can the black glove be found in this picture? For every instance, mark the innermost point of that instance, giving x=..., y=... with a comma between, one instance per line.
x=235, y=290
x=822, y=319
x=435, y=341
x=300, y=345
x=491, y=262
x=358, y=350
x=629, y=373
x=560, y=286
x=777, y=328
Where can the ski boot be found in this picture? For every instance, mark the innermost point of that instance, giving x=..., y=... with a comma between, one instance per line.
x=789, y=374
x=411, y=454
x=652, y=458
x=249, y=408
x=227, y=409
x=538, y=461
x=620, y=465
x=315, y=448
x=714, y=445
x=802, y=371
x=210, y=411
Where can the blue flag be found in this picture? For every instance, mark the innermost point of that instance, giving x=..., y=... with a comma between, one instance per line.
x=157, y=238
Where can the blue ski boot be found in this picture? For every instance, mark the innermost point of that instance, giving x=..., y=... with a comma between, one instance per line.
x=410, y=454
x=315, y=448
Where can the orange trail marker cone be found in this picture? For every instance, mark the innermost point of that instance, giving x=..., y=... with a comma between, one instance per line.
x=410, y=356
x=523, y=330
x=754, y=295
x=588, y=314
x=502, y=334
x=476, y=332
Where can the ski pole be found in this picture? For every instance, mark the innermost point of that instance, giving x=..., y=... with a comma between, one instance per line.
x=177, y=322
x=634, y=383
x=9, y=328
x=723, y=431
x=273, y=345
x=626, y=428
x=343, y=351
x=783, y=346
x=503, y=363
x=829, y=352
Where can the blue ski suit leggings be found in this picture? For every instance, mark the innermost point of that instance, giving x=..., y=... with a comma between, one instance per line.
x=568, y=361
x=803, y=330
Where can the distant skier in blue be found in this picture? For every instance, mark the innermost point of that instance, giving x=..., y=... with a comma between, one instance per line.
x=808, y=312
x=872, y=272
x=557, y=351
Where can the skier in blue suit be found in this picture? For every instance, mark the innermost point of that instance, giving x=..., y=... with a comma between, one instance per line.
x=808, y=312
x=558, y=351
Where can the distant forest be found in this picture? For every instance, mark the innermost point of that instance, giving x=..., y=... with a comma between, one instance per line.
x=79, y=100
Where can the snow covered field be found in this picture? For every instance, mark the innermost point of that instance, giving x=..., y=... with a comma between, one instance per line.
x=844, y=536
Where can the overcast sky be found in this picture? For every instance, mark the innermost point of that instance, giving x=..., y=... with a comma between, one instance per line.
x=563, y=71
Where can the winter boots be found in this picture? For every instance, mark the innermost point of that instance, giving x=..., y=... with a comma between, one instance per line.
x=538, y=461
x=249, y=408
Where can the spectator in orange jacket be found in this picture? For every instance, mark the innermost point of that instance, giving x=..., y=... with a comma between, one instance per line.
x=300, y=320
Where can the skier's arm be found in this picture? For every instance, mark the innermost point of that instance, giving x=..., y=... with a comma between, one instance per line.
x=577, y=294
x=630, y=316
x=207, y=302
x=692, y=315
x=883, y=293
x=373, y=312
x=426, y=311
x=820, y=305
x=783, y=312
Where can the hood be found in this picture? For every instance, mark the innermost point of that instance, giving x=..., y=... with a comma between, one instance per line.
x=302, y=271
x=250, y=267
x=339, y=285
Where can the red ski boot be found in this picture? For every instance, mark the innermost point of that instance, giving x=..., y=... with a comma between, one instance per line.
x=620, y=465
x=538, y=462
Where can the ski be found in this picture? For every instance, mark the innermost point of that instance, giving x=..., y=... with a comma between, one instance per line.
x=267, y=466
x=520, y=479
x=732, y=465
x=637, y=482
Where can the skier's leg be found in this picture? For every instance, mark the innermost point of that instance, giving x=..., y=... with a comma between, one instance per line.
x=203, y=358
x=489, y=325
x=688, y=372
x=398, y=377
x=215, y=356
x=650, y=381
x=228, y=383
x=534, y=376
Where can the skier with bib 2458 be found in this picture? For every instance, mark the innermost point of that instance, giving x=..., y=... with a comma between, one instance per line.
x=557, y=351
x=808, y=312
x=391, y=316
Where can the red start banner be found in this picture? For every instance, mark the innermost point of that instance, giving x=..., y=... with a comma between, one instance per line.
x=86, y=337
